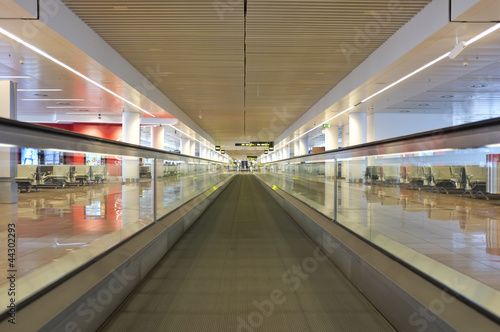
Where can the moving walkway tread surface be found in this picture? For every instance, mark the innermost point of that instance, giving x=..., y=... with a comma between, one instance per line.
x=245, y=266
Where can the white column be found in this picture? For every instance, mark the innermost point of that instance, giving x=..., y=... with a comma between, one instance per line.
x=158, y=137
x=8, y=156
x=370, y=128
x=345, y=135
x=357, y=128
x=332, y=138
x=286, y=152
x=192, y=148
x=131, y=127
x=303, y=146
x=185, y=146
x=357, y=135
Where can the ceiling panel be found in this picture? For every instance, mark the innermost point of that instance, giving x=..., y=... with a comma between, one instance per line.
x=251, y=68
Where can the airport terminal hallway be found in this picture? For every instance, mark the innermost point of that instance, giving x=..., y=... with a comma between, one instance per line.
x=245, y=266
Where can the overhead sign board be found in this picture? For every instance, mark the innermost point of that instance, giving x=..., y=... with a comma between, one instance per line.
x=263, y=144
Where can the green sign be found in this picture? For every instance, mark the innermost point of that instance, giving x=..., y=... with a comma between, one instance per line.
x=326, y=125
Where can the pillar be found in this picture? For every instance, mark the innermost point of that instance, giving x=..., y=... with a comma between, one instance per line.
x=158, y=137
x=131, y=126
x=192, y=148
x=185, y=146
x=357, y=128
x=286, y=152
x=370, y=128
x=8, y=156
x=357, y=135
x=332, y=138
x=303, y=145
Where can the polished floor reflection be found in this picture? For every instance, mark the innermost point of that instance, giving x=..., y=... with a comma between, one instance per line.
x=54, y=223
x=61, y=229
x=460, y=232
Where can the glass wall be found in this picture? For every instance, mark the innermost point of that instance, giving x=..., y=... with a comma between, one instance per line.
x=63, y=207
x=431, y=202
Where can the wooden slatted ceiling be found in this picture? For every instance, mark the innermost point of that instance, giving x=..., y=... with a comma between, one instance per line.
x=251, y=75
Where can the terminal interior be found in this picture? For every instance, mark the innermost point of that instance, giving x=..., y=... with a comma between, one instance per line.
x=250, y=165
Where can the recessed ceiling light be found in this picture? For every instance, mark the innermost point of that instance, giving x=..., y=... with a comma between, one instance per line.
x=478, y=86
x=424, y=105
x=448, y=96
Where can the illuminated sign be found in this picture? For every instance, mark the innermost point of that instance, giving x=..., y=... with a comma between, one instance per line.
x=263, y=144
x=326, y=125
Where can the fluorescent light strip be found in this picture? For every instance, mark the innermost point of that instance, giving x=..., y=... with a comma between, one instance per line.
x=89, y=113
x=407, y=76
x=39, y=90
x=41, y=99
x=198, y=141
x=82, y=107
x=483, y=34
x=8, y=77
x=47, y=56
x=470, y=41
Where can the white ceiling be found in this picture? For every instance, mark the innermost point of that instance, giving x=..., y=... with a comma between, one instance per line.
x=248, y=70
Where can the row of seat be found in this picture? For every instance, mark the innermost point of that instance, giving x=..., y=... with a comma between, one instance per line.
x=57, y=176
x=464, y=179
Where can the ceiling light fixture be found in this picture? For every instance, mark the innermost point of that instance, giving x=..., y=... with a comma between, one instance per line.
x=87, y=113
x=51, y=58
x=74, y=107
x=9, y=77
x=470, y=41
x=39, y=90
x=48, y=99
